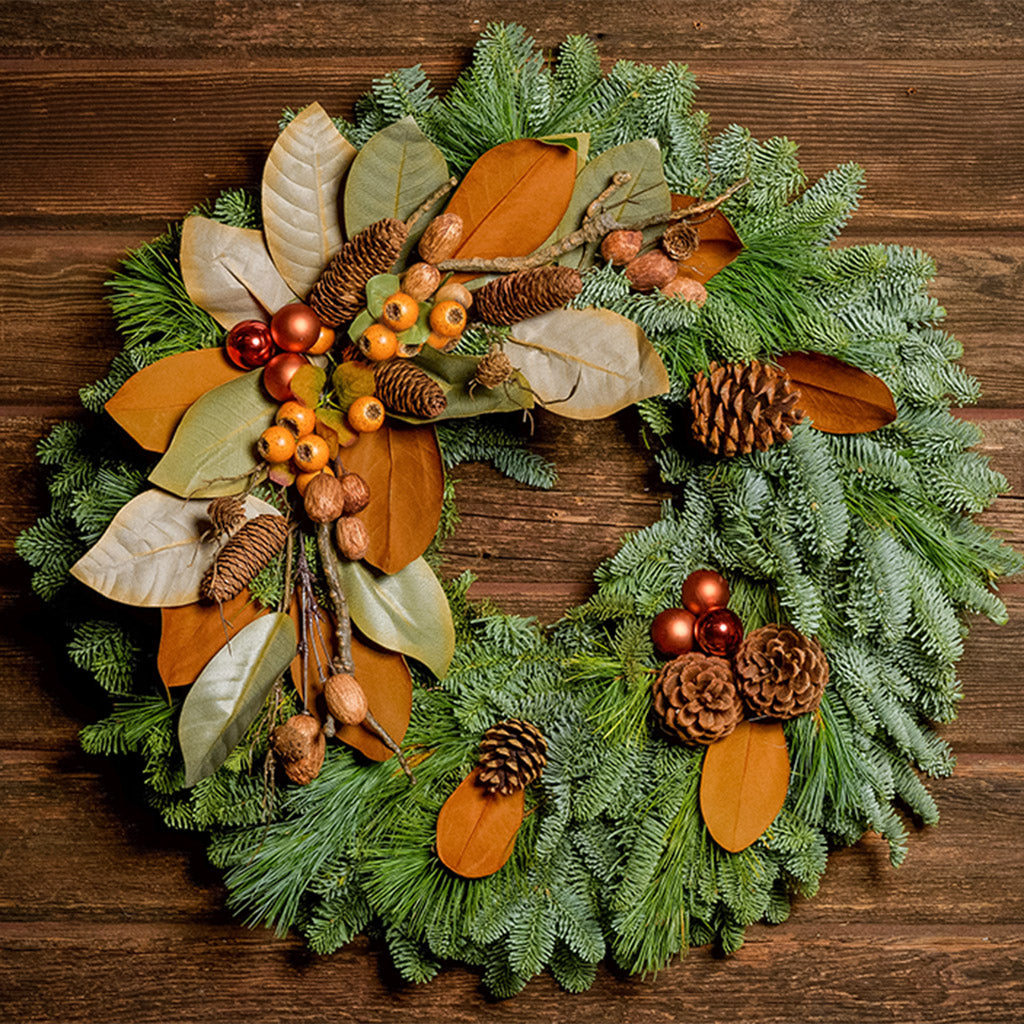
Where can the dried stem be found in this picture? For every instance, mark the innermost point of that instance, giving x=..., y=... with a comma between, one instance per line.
x=342, y=622
x=436, y=196
x=388, y=742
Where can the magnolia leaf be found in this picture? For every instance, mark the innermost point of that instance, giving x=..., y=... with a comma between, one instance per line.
x=150, y=403
x=301, y=185
x=718, y=244
x=513, y=198
x=307, y=383
x=383, y=675
x=743, y=783
x=838, y=397
x=152, y=555
x=645, y=195
x=578, y=142
x=193, y=633
x=228, y=272
x=586, y=364
x=379, y=289
x=393, y=174
x=230, y=692
x=476, y=830
x=213, y=450
x=406, y=612
x=360, y=323
x=402, y=466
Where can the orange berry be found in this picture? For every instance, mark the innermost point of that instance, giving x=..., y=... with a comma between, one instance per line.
x=448, y=318
x=439, y=341
x=323, y=343
x=276, y=444
x=297, y=418
x=366, y=414
x=378, y=342
x=302, y=479
x=311, y=454
x=400, y=312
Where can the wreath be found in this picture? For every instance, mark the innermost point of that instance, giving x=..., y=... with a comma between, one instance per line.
x=754, y=679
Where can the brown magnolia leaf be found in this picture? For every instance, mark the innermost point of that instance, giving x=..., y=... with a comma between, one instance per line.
x=192, y=634
x=743, y=783
x=150, y=403
x=402, y=466
x=476, y=830
x=513, y=198
x=383, y=675
x=719, y=245
x=839, y=398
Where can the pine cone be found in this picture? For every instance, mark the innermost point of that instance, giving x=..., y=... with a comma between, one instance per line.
x=526, y=293
x=243, y=556
x=226, y=514
x=679, y=240
x=781, y=673
x=493, y=369
x=695, y=698
x=512, y=755
x=404, y=388
x=340, y=293
x=742, y=406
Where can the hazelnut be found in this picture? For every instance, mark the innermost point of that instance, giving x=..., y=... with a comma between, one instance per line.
x=346, y=699
x=442, y=238
x=619, y=247
x=352, y=538
x=356, y=493
x=420, y=281
x=324, y=498
x=455, y=292
x=650, y=271
x=295, y=738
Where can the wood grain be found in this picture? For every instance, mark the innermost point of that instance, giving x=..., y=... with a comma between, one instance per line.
x=120, y=116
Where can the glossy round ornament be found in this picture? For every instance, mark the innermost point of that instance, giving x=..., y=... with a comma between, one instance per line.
x=295, y=327
x=278, y=373
x=249, y=344
x=719, y=632
x=704, y=590
x=672, y=632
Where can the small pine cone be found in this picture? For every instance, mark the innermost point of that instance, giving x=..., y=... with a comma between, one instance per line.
x=295, y=738
x=740, y=407
x=679, y=240
x=526, y=293
x=243, y=556
x=512, y=754
x=340, y=293
x=404, y=388
x=493, y=369
x=781, y=673
x=226, y=514
x=696, y=700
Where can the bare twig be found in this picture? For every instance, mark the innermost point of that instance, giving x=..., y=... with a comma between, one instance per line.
x=342, y=622
x=436, y=196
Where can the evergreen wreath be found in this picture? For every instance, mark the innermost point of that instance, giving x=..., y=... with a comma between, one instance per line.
x=861, y=540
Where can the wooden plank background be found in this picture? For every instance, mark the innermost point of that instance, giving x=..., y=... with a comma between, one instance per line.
x=117, y=117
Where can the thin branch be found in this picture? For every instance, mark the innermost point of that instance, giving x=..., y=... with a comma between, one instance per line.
x=436, y=196
x=342, y=622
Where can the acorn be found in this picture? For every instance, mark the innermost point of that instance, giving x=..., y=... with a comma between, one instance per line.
x=352, y=538
x=651, y=271
x=420, y=281
x=325, y=498
x=442, y=238
x=619, y=247
x=356, y=492
x=346, y=699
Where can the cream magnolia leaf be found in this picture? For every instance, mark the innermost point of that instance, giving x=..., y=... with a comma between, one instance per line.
x=301, y=184
x=231, y=691
x=406, y=611
x=151, y=555
x=228, y=272
x=586, y=364
x=214, y=448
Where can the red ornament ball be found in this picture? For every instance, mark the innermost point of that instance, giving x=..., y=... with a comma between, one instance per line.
x=672, y=632
x=295, y=327
x=278, y=373
x=250, y=344
x=704, y=590
x=719, y=632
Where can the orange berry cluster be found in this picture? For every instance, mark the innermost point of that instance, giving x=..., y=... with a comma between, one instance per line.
x=292, y=440
x=383, y=339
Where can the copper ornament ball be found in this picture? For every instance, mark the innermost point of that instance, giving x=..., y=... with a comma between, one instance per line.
x=672, y=632
x=249, y=344
x=295, y=327
x=705, y=590
x=719, y=632
x=278, y=373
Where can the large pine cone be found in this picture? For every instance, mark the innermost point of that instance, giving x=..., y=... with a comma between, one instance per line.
x=742, y=406
x=695, y=698
x=781, y=673
x=512, y=755
x=404, y=388
x=248, y=551
x=526, y=293
x=341, y=291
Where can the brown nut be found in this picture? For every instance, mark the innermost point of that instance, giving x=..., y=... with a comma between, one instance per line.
x=346, y=699
x=455, y=292
x=650, y=271
x=621, y=246
x=295, y=738
x=420, y=281
x=442, y=238
x=686, y=288
x=352, y=538
x=303, y=771
x=324, y=498
x=356, y=492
